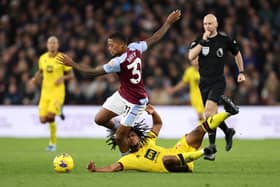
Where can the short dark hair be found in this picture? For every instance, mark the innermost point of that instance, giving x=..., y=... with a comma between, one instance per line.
x=118, y=36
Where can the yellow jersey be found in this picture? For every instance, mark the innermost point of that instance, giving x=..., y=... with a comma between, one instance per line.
x=51, y=71
x=150, y=156
x=191, y=76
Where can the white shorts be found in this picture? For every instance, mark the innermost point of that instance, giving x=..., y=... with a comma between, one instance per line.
x=128, y=112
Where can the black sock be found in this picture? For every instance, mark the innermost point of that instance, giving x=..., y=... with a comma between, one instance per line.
x=212, y=137
x=224, y=127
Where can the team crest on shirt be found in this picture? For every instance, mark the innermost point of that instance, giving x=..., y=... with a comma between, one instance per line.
x=220, y=52
x=49, y=68
x=205, y=50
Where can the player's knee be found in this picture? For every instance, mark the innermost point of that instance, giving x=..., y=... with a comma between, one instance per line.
x=43, y=120
x=169, y=162
x=51, y=117
x=99, y=120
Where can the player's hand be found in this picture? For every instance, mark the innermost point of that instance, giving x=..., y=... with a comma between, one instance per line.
x=206, y=35
x=241, y=77
x=65, y=60
x=170, y=90
x=32, y=81
x=59, y=81
x=91, y=166
x=150, y=109
x=173, y=16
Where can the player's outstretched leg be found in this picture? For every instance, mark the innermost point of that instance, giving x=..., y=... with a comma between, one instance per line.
x=210, y=154
x=231, y=108
x=214, y=121
x=229, y=136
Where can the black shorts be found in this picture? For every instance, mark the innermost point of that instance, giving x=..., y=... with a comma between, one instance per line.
x=212, y=89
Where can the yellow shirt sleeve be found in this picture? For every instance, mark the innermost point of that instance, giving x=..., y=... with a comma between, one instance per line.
x=151, y=137
x=67, y=68
x=40, y=63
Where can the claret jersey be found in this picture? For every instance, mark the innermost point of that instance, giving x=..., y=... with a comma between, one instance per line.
x=128, y=66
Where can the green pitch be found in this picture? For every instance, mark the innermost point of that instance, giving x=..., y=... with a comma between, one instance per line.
x=24, y=162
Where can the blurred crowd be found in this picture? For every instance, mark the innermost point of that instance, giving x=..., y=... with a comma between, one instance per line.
x=83, y=26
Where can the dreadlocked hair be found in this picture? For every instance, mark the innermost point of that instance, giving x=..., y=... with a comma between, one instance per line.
x=140, y=128
x=111, y=138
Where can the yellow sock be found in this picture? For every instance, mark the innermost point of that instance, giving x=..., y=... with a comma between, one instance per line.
x=191, y=156
x=52, y=133
x=201, y=121
x=214, y=121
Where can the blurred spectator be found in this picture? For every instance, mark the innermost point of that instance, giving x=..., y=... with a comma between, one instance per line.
x=82, y=27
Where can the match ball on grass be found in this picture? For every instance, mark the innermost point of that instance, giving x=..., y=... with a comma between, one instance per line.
x=63, y=163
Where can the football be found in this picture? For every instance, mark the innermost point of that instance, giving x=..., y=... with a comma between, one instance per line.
x=63, y=163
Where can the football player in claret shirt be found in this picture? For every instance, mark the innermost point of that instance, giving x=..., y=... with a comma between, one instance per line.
x=131, y=98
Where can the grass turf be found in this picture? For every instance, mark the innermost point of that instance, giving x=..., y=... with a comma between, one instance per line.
x=24, y=162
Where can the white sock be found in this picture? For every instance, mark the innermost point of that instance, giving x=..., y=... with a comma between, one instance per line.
x=116, y=123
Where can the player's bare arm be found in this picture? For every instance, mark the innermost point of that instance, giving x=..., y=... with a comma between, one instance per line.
x=36, y=78
x=238, y=59
x=157, y=122
x=66, y=60
x=179, y=86
x=172, y=17
x=111, y=168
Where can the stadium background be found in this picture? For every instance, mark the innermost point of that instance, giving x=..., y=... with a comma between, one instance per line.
x=82, y=28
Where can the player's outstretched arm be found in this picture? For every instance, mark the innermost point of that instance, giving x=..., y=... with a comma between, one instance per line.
x=157, y=122
x=172, y=17
x=66, y=60
x=111, y=168
x=36, y=78
x=179, y=86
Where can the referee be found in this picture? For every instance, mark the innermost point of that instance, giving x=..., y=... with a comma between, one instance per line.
x=210, y=51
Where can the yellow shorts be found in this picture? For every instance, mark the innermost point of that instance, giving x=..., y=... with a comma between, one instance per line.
x=50, y=105
x=182, y=146
x=198, y=105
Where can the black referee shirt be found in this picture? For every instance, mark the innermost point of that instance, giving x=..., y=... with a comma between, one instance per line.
x=214, y=54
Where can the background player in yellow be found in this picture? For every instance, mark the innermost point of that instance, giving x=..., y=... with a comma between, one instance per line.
x=52, y=76
x=191, y=77
x=145, y=155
